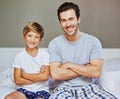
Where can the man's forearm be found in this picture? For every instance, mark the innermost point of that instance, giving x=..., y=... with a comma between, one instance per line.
x=88, y=70
x=63, y=74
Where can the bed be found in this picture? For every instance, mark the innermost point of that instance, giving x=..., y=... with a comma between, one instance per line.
x=109, y=79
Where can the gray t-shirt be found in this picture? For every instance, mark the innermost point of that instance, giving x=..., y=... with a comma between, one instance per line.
x=81, y=51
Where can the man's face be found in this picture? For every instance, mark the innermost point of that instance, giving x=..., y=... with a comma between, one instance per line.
x=69, y=22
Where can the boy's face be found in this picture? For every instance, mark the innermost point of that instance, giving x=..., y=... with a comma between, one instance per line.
x=32, y=39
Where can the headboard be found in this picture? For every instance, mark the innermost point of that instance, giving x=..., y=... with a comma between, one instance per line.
x=7, y=55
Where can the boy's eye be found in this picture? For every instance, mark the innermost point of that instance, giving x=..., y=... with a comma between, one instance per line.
x=29, y=35
x=37, y=37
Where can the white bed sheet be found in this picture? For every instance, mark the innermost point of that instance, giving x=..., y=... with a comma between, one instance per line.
x=7, y=84
x=110, y=78
x=4, y=90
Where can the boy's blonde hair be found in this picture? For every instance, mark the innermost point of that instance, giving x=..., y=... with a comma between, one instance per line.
x=34, y=27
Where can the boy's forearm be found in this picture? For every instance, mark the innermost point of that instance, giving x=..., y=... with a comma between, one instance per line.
x=42, y=76
x=23, y=81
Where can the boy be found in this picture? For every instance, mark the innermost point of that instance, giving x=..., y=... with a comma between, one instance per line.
x=31, y=66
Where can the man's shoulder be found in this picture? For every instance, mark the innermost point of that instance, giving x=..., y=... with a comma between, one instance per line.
x=57, y=41
x=58, y=37
x=89, y=36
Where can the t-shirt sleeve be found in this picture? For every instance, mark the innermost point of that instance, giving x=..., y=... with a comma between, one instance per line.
x=54, y=52
x=16, y=62
x=96, y=51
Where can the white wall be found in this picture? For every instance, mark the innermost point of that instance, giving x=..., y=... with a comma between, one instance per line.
x=98, y=17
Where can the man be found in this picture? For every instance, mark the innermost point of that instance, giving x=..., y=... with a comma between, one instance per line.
x=75, y=59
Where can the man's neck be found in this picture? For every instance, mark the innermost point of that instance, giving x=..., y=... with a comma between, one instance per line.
x=73, y=37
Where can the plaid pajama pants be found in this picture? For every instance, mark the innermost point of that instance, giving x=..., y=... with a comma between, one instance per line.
x=91, y=91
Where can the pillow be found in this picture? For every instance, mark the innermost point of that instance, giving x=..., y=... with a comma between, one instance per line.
x=112, y=65
x=110, y=78
x=7, y=78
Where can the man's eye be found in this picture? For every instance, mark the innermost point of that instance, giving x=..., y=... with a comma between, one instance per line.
x=62, y=20
x=71, y=19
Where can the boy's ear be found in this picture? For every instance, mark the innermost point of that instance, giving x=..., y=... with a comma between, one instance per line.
x=23, y=37
x=41, y=39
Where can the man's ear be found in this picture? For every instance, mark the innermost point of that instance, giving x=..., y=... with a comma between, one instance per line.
x=79, y=20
